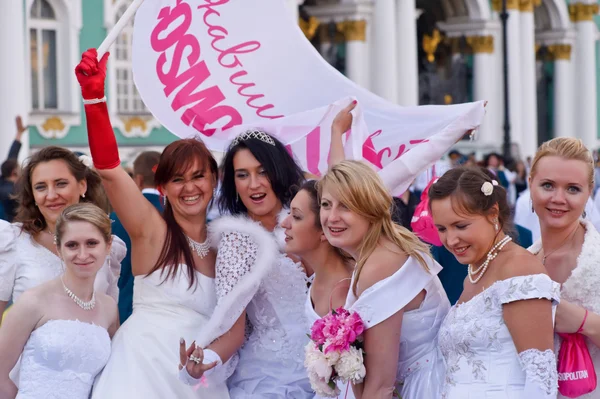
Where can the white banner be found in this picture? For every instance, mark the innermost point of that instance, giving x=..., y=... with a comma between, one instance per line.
x=216, y=67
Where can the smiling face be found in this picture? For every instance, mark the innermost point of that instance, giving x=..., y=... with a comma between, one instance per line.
x=559, y=191
x=253, y=186
x=83, y=248
x=343, y=228
x=302, y=233
x=190, y=191
x=467, y=236
x=54, y=188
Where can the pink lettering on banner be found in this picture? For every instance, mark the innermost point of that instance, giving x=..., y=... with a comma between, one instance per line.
x=229, y=58
x=384, y=156
x=313, y=151
x=204, y=105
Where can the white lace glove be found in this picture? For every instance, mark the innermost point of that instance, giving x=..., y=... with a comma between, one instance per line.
x=541, y=377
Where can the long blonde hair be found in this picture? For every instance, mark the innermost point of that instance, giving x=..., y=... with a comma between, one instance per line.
x=361, y=190
x=567, y=148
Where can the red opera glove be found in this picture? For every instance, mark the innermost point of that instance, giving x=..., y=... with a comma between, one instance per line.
x=91, y=76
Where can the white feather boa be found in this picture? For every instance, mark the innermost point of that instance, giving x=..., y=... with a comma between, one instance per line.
x=583, y=286
x=231, y=306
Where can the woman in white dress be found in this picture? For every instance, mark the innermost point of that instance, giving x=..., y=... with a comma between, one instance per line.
x=332, y=269
x=175, y=292
x=63, y=327
x=394, y=286
x=561, y=181
x=258, y=175
x=497, y=340
x=52, y=179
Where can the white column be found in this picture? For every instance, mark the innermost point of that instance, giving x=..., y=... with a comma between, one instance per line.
x=408, y=74
x=563, y=90
x=484, y=76
x=357, y=65
x=586, y=120
x=13, y=90
x=385, y=60
x=514, y=76
x=529, y=137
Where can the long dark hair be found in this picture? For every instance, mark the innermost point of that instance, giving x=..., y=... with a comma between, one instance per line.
x=283, y=172
x=28, y=213
x=176, y=158
x=463, y=186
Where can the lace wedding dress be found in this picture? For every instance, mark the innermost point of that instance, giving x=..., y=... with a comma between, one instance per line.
x=271, y=361
x=481, y=358
x=61, y=359
x=421, y=368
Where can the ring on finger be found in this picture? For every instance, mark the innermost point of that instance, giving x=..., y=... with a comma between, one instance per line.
x=195, y=359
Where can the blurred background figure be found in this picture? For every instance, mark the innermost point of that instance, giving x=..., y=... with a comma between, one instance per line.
x=11, y=170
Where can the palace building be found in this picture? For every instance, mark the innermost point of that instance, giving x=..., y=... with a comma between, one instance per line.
x=411, y=52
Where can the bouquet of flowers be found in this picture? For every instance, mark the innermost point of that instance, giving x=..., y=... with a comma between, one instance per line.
x=335, y=352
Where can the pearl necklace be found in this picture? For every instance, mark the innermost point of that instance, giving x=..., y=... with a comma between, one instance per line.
x=83, y=305
x=490, y=257
x=201, y=248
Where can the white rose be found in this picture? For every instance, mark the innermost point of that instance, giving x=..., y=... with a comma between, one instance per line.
x=322, y=387
x=351, y=366
x=487, y=188
x=316, y=362
x=87, y=161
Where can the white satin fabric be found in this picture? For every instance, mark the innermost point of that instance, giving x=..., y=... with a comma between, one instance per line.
x=145, y=351
x=421, y=368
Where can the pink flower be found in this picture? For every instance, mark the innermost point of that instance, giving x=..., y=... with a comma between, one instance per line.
x=316, y=332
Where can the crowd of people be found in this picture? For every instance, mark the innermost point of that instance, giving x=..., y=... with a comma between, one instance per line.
x=188, y=279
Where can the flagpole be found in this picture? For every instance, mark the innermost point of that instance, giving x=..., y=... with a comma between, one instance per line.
x=119, y=26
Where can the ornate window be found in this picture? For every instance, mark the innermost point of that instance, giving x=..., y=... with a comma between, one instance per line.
x=43, y=35
x=127, y=97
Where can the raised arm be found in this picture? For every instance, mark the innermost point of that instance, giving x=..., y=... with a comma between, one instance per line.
x=16, y=329
x=341, y=124
x=138, y=216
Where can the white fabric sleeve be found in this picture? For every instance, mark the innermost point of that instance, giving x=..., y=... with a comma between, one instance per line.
x=541, y=377
x=8, y=259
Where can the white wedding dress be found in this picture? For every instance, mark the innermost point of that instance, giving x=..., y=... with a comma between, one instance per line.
x=312, y=316
x=145, y=351
x=421, y=368
x=481, y=359
x=61, y=359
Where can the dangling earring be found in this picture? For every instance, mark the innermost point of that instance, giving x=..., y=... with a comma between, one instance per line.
x=214, y=192
x=584, y=214
x=83, y=195
x=165, y=200
x=531, y=204
x=496, y=227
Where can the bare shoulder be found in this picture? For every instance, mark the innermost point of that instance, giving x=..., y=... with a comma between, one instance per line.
x=109, y=306
x=381, y=264
x=520, y=262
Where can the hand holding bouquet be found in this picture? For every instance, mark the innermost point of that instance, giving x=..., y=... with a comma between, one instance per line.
x=335, y=352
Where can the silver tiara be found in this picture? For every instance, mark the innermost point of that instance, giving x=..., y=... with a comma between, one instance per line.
x=253, y=134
